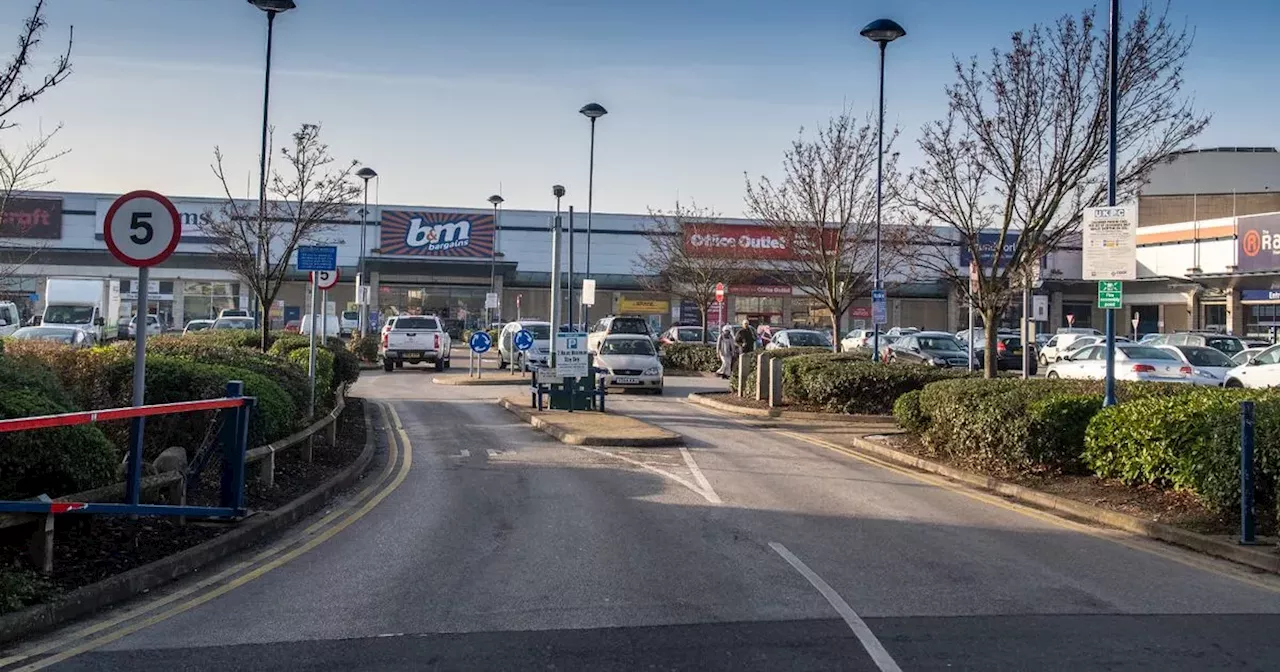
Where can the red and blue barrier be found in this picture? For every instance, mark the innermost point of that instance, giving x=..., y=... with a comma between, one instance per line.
x=233, y=435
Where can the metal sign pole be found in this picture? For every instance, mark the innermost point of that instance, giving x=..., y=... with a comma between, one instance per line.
x=1026, y=330
x=139, y=387
x=1113, y=48
x=324, y=316
x=311, y=359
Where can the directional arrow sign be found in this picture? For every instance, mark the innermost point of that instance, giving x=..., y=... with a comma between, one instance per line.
x=1110, y=294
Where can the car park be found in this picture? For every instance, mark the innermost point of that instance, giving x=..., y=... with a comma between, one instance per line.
x=1261, y=371
x=629, y=361
x=1008, y=354
x=415, y=339
x=630, y=325
x=1133, y=362
x=681, y=334
x=196, y=325
x=535, y=356
x=1205, y=361
x=932, y=348
x=70, y=336
x=799, y=338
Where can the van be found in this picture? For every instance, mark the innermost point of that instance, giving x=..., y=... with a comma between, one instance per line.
x=10, y=318
x=332, y=325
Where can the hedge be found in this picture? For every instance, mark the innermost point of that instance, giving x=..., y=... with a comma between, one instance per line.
x=908, y=413
x=365, y=348
x=845, y=385
x=290, y=377
x=238, y=338
x=690, y=357
x=324, y=375
x=342, y=365
x=788, y=353
x=1189, y=442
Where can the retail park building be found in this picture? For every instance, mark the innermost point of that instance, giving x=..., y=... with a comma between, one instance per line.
x=1208, y=258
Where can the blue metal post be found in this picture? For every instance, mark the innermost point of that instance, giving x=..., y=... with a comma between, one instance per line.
x=1247, y=522
x=133, y=487
x=1113, y=100
x=230, y=438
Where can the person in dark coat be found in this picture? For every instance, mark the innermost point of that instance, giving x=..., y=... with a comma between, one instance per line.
x=745, y=339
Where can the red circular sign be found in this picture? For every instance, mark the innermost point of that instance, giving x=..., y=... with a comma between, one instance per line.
x=142, y=228
x=720, y=292
x=325, y=280
x=1251, y=245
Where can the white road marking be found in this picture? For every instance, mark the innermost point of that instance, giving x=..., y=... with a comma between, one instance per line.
x=707, y=490
x=494, y=453
x=661, y=472
x=464, y=453
x=874, y=648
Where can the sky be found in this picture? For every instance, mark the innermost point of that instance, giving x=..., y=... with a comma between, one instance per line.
x=453, y=101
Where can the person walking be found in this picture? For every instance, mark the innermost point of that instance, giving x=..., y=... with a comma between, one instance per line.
x=745, y=339
x=727, y=349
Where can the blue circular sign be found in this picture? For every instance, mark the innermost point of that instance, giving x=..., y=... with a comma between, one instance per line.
x=523, y=340
x=480, y=342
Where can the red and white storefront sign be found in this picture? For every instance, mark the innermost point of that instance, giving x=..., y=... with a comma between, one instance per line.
x=760, y=290
x=742, y=241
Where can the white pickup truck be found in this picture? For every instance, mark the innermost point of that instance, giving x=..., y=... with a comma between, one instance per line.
x=415, y=339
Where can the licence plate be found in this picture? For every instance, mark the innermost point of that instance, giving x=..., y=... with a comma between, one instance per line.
x=411, y=355
x=627, y=381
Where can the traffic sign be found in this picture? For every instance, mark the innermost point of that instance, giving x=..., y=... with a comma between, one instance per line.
x=491, y=300
x=879, y=312
x=317, y=258
x=1040, y=308
x=523, y=340
x=1110, y=294
x=1071, y=320
x=719, y=292
x=325, y=280
x=142, y=228
x=571, y=354
x=480, y=342
x=588, y=292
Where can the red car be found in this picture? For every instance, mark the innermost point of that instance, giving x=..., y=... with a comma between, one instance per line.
x=292, y=326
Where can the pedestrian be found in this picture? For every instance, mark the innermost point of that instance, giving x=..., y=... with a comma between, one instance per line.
x=726, y=349
x=745, y=339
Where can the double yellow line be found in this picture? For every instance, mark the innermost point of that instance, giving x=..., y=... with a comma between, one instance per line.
x=105, y=632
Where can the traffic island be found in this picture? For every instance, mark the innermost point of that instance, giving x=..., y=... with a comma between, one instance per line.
x=592, y=428
x=498, y=378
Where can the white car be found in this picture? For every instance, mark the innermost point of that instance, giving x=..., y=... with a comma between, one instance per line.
x=233, y=312
x=153, y=326
x=1210, y=363
x=535, y=356
x=1063, y=344
x=10, y=318
x=1133, y=362
x=1261, y=371
x=414, y=339
x=798, y=338
x=858, y=339
x=196, y=325
x=1245, y=356
x=629, y=361
x=350, y=323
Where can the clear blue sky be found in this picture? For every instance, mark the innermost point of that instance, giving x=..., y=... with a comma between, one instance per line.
x=447, y=100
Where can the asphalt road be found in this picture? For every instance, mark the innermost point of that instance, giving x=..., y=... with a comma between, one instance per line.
x=499, y=548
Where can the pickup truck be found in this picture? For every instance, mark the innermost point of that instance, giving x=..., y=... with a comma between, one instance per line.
x=415, y=339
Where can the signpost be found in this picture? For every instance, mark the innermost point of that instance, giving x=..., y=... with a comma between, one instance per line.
x=719, y=292
x=142, y=229
x=315, y=258
x=1071, y=320
x=1040, y=308
x=1110, y=294
x=522, y=340
x=879, y=308
x=325, y=280
x=480, y=344
x=571, y=354
x=1135, y=321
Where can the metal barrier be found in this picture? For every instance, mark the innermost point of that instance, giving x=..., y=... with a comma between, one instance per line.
x=233, y=434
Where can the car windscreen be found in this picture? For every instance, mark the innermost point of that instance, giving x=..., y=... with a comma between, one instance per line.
x=938, y=343
x=350, y=315
x=233, y=323
x=69, y=314
x=627, y=346
x=1207, y=357
x=689, y=335
x=1146, y=352
x=629, y=325
x=198, y=326
x=807, y=339
x=1228, y=345
x=541, y=332
x=416, y=324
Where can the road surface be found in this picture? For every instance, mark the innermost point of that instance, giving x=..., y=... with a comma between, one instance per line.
x=481, y=544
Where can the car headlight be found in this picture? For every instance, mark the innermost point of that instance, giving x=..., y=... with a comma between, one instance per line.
x=938, y=361
x=653, y=371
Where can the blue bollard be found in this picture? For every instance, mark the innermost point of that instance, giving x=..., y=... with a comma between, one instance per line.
x=1247, y=532
x=233, y=427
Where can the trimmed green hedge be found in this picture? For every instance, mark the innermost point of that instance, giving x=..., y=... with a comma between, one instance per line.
x=844, y=385
x=237, y=338
x=365, y=348
x=324, y=375
x=1189, y=442
x=690, y=357
x=291, y=378
x=909, y=414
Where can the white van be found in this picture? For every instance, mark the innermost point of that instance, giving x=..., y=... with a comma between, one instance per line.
x=332, y=325
x=10, y=318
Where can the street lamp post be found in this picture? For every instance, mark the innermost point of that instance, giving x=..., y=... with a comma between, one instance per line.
x=365, y=174
x=271, y=7
x=882, y=32
x=591, y=111
x=558, y=192
x=496, y=201
x=1113, y=104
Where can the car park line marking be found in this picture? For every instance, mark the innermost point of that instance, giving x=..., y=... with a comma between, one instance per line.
x=661, y=472
x=879, y=655
x=464, y=453
x=406, y=463
x=708, y=491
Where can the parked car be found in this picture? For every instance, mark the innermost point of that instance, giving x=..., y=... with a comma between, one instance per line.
x=1226, y=343
x=1062, y=344
x=330, y=326
x=934, y=348
x=1261, y=371
x=76, y=338
x=233, y=312
x=534, y=356
x=413, y=339
x=1206, y=361
x=234, y=324
x=979, y=334
x=1008, y=354
x=1153, y=339
x=1259, y=343
x=1133, y=362
x=196, y=325
x=682, y=335
x=1245, y=356
x=292, y=326
x=1086, y=331
x=799, y=338
x=629, y=361
x=616, y=324
x=350, y=323
x=858, y=339
x=153, y=326
x=10, y=318
x=903, y=331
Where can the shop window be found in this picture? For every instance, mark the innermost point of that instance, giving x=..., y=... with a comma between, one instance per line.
x=1215, y=317
x=1083, y=313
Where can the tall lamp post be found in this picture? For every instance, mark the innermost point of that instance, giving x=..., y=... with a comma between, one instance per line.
x=882, y=32
x=591, y=111
x=496, y=200
x=365, y=174
x=1113, y=105
x=271, y=7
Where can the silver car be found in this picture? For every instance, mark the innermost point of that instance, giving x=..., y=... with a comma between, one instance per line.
x=629, y=361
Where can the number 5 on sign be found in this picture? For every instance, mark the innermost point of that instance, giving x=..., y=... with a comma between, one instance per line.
x=142, y=228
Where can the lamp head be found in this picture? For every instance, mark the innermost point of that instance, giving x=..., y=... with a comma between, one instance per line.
x=557, y=191
x=274, y=6
x=883, y=31
x=593, y=111
x=496, y=200
x=366, y=173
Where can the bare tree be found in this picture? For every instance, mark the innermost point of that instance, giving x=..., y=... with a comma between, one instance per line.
x=822, y=211
x=672, y=265
x=302, y=205
x=25, y=167
x=1023, y=147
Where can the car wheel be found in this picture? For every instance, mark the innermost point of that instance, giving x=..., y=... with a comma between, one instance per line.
x=1234, y=383
x=399, y=364
x=388, y=365
x=1043, y=361
x=502, y=363
x=439, y=365
x=658, y=391
x=448, y=364
x=1052, y=375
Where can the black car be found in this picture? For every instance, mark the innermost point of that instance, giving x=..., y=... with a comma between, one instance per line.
x=1008, y=354
x=934, y=348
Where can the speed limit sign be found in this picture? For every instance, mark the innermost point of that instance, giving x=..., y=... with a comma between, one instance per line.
x=142, y=228
x=325, y=279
